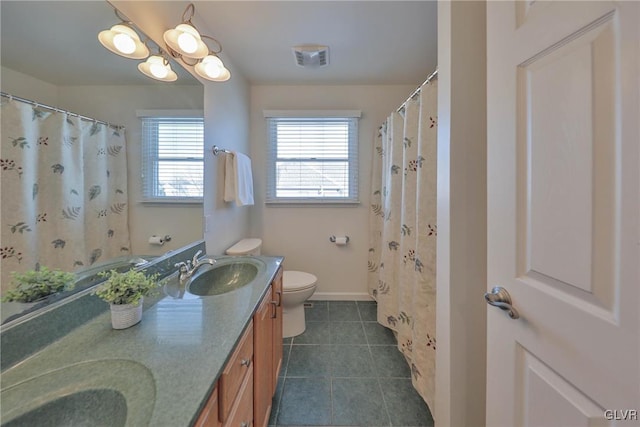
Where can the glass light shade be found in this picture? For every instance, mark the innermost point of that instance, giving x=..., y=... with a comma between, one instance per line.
x=156, y=68
x=226, y=75
x=211, y=67
x=124, y=43
x=119, y=39
x=159, y=71
x=186, y=40
x=223, y=76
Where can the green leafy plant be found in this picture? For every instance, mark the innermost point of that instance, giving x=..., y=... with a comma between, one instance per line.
x=125, y=288
x=37, y=284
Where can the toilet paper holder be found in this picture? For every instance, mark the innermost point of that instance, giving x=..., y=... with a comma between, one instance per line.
x=159, y=240
x=332, y=239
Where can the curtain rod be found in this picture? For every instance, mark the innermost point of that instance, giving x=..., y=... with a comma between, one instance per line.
x=417, y=91
x=59, y=110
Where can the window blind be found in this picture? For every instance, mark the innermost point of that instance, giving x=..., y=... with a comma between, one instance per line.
x=312, y=160
x=172, y=158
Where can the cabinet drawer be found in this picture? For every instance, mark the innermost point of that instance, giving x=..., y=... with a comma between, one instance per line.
x=240, y=365
x=242, y=411
x=209, y=415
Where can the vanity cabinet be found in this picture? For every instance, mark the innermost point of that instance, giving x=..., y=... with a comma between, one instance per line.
x=231, y=402
x=268, y=350
x=244, y=392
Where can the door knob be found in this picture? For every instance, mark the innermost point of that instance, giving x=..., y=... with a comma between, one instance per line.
x=499, y=297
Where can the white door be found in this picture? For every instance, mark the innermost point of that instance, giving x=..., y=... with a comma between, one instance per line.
x=564, y=212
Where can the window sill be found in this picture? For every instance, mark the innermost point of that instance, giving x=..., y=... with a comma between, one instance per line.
x=170, y=201
x=313, y=203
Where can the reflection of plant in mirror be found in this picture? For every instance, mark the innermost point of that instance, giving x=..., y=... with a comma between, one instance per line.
x=125, y=288
x=36, y=284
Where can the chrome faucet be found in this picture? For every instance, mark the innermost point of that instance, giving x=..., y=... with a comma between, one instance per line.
x=188, y=268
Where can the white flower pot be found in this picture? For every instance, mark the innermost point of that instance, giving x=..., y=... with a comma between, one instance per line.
x=125, y=315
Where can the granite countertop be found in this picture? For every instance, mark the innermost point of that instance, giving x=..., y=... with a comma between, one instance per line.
x=182, y=343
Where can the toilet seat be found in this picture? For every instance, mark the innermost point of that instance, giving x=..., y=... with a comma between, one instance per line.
x=297, y=281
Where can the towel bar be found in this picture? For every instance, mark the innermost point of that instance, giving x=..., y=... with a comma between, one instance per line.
x=216, y=150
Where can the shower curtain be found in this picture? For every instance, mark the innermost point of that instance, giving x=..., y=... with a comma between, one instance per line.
x=64, y=190
x=402, y=251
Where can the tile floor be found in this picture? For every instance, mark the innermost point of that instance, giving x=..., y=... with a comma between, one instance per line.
x=345, y=370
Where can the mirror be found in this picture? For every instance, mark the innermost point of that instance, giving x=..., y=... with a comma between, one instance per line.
x=51, y=55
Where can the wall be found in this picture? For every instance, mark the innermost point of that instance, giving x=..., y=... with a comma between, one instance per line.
x=18, y=84
x=301, y=234
x=227, y=126
x=462, y=207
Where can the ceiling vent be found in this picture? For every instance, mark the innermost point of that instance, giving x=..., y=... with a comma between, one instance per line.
x=311, y=56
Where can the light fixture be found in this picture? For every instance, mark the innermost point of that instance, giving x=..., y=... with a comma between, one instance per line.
x=157, y=67
x=184, y=42
x=122, y=40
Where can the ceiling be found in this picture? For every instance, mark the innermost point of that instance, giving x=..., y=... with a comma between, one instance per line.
x=370, y=42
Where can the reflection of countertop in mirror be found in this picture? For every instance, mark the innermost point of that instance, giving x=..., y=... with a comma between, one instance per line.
x=84, y=279
x=184, y=343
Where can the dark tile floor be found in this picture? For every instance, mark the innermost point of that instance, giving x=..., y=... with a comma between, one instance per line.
x=345, y=370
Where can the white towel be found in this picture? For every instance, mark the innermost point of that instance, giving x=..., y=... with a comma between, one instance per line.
x=238, y=179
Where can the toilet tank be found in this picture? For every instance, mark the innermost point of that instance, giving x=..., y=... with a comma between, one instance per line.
x=246, y=247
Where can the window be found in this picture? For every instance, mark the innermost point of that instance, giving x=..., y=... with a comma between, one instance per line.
x=172, y=157
x=312, y=159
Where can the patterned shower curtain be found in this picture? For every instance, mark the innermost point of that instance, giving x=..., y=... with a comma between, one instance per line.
x=402, y=251
x=64, y=190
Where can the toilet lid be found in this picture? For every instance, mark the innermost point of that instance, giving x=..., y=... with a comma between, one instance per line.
x=297, y=280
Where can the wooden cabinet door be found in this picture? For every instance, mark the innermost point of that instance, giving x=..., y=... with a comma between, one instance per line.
x=276, y=288
x=267, y=350
x=263, y=361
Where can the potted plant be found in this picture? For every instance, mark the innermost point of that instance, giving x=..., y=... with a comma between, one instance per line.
x=125, y=293
x=35, y=285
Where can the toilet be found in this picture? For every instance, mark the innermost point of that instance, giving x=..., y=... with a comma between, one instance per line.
x=297, y=287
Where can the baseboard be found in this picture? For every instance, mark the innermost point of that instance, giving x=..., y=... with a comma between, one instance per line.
x=340, y=296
